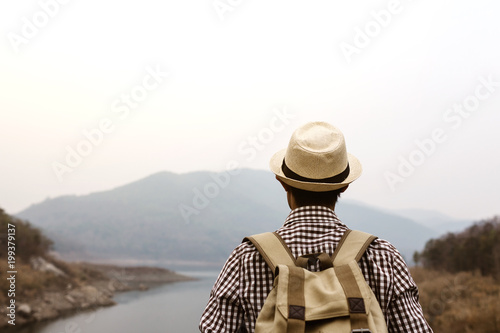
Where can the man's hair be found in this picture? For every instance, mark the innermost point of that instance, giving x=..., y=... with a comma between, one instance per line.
x=309, y=198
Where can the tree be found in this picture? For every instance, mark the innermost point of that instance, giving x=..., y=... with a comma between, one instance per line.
x=477, y=248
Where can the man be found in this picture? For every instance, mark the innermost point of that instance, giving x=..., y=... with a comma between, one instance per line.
x=314, y=170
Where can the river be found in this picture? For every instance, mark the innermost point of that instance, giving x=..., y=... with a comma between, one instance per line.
x=173, y=307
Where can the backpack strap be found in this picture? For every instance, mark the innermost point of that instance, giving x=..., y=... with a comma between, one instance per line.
x=352, y=245
x=273, y=249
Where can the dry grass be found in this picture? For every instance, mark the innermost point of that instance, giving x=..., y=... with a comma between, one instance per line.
x=463, y=302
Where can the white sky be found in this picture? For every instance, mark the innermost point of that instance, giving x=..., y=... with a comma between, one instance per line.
x=226, y=80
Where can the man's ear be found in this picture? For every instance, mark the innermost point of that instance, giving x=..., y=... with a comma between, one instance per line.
x=285, y=186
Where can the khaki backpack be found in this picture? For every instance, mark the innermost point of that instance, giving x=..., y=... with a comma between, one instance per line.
x=335, y=299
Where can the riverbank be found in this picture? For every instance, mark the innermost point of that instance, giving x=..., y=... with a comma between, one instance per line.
x=49, y=289
x=170, y=307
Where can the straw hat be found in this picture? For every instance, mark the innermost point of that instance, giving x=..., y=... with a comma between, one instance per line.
x=316, y=159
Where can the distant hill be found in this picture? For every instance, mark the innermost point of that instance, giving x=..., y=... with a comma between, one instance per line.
x=406, y=234
x=436, y=221
x=44, y=288
x=194, y=217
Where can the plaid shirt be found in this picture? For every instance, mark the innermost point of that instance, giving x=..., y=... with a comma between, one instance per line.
x=245, y=280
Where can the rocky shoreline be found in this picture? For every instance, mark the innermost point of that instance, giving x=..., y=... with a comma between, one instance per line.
x=101, y=282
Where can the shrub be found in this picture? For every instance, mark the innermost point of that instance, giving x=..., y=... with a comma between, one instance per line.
x=459, y=303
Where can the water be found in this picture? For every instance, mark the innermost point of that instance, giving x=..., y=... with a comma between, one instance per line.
x=174, y=307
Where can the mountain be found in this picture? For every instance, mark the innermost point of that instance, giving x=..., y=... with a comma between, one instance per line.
x=407, y=235
x=436, y=221
x=196, y=217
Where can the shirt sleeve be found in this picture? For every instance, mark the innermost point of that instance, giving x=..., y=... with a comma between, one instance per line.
x=223, y=312
x=404, y=312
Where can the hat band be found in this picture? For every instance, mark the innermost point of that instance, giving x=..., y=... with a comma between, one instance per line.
x=335, y=179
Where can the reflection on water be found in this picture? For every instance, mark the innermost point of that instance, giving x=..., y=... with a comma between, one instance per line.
x=174, y=307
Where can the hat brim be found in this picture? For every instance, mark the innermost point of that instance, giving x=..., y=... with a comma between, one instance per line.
x=276, y=162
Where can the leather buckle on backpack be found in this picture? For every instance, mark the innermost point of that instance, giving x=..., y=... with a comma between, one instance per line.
x=361, y=330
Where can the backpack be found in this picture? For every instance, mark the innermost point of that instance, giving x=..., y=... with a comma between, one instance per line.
x=335, y=299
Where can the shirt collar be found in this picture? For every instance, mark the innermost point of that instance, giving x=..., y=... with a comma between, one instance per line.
x=313, y=213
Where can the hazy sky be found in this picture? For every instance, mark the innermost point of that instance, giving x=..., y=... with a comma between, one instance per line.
x=97, y=94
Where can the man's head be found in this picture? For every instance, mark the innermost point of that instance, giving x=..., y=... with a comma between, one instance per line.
x=315, y=167
x=298, y=198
